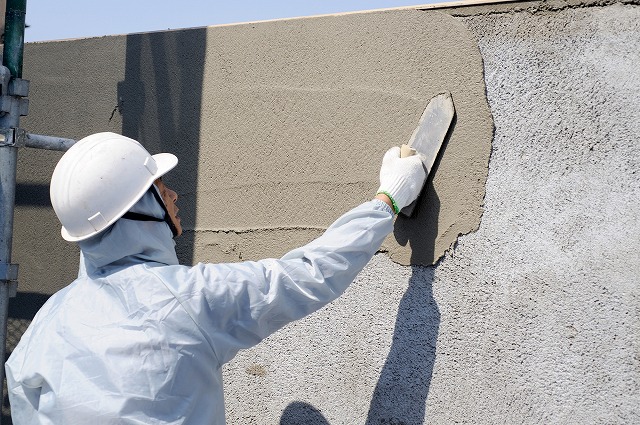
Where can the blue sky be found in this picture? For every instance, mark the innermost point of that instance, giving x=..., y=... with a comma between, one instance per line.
x=61, y=19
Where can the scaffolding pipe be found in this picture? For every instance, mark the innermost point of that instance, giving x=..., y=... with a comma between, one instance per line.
x=47, y=142
x=10, y=118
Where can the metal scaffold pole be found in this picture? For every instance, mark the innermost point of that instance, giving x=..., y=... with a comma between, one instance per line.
x=12, y=105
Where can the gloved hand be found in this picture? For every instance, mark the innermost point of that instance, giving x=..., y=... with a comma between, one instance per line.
x=401, y=179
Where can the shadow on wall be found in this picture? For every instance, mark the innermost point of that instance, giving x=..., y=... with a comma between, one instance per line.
x=32, y=195
x=401, y=393
x=160, y=102
x=402, y=389
x=421, y=229
x=301, y=413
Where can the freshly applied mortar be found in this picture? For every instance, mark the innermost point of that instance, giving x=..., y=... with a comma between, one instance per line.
x=298, y=114
x=280, y=127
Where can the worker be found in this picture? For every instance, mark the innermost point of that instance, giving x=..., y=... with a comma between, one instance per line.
x=138, y=338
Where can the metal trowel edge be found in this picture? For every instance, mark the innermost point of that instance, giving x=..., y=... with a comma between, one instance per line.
x=429, y=135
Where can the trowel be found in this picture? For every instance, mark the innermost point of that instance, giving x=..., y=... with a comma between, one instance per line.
x=428, y=136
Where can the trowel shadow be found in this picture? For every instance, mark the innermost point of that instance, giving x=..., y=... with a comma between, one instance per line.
x=301, y=413
x=401, y=392
x=421, y=229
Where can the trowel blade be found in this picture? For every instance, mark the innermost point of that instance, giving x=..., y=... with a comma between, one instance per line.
x=430, y=133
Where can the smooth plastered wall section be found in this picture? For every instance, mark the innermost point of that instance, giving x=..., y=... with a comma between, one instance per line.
x=279, y=126
x=297, y=115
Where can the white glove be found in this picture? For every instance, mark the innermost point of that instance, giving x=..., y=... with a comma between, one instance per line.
x=401, y=179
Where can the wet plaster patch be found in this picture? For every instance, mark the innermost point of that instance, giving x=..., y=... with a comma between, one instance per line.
x=247, y=244
x=297, y=114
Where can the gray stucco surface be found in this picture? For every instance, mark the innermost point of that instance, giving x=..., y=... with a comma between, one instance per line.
x=532, y=319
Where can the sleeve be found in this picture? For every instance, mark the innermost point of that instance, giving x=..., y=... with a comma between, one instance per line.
x=24, y=401
x=237, y=305
x=24, y=397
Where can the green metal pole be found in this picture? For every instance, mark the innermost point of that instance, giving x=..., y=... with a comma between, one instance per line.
x=10, y=118
x=14, y=36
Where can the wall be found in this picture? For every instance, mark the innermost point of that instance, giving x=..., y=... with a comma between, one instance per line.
x=532, y=317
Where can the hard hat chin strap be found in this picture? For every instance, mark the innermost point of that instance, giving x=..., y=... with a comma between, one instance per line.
x=143, y=217
x=140, y=217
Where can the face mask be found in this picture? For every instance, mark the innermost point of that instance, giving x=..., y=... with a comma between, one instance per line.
x=143, y=217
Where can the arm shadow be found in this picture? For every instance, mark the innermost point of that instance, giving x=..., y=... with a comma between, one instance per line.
x=403, y=387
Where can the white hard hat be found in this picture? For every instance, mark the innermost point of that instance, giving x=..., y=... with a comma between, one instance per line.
x=99, y=179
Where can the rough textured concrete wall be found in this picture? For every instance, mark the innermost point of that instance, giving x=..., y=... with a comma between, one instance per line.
x=532, y=319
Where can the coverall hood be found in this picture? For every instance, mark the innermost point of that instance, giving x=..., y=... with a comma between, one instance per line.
x=129, y=242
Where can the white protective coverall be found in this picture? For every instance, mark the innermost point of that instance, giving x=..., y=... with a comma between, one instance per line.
x=139, y=339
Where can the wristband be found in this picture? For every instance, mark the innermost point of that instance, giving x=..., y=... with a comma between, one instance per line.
x=396, y=210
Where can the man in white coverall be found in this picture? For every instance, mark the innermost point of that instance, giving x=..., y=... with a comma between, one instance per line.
x=138, y=338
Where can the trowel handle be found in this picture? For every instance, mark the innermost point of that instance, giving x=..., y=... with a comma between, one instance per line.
x=406, y=150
